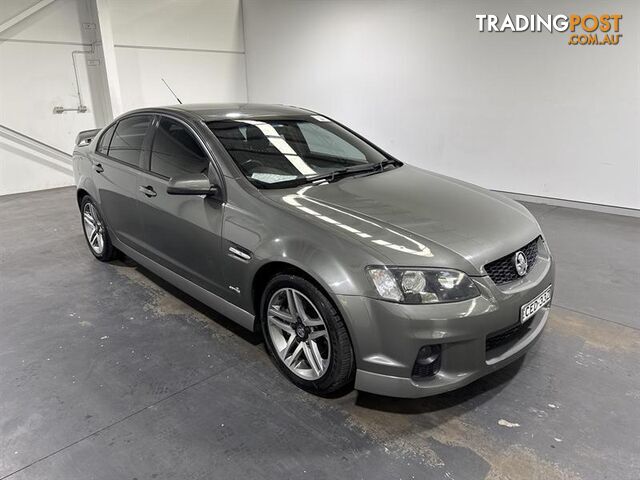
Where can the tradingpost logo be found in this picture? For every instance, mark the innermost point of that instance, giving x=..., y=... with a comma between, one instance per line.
x=586, y=29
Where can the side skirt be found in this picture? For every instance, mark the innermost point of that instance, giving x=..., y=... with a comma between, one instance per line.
x=237, y=314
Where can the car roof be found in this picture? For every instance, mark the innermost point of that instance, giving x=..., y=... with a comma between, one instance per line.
x=219, y=111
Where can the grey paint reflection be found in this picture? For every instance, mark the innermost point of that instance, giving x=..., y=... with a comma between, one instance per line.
x=298, y=200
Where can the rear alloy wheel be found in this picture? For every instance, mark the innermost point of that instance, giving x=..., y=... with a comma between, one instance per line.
x=95, y=231
x=306, y=336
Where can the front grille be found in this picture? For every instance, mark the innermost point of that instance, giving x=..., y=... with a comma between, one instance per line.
x=504, y=271
x=508, y=336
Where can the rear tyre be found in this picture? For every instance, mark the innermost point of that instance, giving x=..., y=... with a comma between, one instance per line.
x=306, y=336
x=95, y=231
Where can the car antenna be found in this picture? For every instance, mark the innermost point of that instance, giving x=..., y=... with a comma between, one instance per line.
x=174, y=93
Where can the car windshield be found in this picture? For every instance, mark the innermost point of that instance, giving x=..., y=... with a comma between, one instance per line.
x=283, y=152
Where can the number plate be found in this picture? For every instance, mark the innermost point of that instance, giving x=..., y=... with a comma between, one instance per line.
x=528, y=310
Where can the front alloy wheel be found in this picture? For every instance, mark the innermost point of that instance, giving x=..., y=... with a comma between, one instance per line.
x=305, y=335
x=299, y=333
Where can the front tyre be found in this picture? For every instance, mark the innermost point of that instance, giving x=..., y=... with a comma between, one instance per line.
x=95, y=231
x=306, y=336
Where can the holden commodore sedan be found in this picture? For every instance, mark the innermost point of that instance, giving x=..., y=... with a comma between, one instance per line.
x=359, y=270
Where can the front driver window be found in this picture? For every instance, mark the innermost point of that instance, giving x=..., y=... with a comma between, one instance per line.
x=175, y=151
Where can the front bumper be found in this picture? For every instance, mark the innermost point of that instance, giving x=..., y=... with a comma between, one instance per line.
x=387, y=336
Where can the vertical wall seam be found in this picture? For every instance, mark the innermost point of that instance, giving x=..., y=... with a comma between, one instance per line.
x=244, y=41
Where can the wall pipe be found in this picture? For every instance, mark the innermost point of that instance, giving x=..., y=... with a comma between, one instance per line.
x=81, y=108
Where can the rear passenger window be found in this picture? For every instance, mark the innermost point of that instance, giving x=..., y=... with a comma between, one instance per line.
x=105, y=140
x=128, y=139
x=176, y=151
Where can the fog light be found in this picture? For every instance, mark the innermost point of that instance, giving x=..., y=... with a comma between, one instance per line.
x=427, y=361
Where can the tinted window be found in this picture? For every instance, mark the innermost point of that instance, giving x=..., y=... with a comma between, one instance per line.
x=103, y=146
x=128, y=138
x=175, y=151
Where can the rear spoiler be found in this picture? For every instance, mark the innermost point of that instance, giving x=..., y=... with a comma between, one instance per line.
x=85, y=137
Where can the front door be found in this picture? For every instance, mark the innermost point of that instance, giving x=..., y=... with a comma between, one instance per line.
x=181, y=232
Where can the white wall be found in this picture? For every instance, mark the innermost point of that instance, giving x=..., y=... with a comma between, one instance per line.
x=518, y=112
x=36, y=74
x=196, y=45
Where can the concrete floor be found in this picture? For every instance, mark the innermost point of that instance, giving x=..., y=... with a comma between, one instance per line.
x=107, y=372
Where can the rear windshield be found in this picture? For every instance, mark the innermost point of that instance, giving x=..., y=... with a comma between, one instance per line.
x=272, y=151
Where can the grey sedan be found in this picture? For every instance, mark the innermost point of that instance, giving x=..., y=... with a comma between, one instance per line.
x=360, y=270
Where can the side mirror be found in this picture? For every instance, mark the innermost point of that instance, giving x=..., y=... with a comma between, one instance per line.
x=191, y=184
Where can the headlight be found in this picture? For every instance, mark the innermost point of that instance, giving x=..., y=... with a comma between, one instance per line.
x=422, y=285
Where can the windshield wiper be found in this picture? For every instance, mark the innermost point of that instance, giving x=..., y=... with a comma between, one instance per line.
x=344, y=172
x=336, y=174
x=379, y=167
x=367, y=169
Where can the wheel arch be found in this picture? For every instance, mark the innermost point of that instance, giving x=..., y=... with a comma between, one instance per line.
x=86, y=187
x=269, y=270
x=80, y=194
x=272, y=268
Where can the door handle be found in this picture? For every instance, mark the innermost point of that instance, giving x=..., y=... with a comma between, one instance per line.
x=98, y=167
x=148, y=191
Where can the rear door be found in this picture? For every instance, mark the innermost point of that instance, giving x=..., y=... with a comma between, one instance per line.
x=181, y=232
x=117, y=165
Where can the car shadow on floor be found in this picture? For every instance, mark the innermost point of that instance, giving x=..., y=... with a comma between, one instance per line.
x=254, y=338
